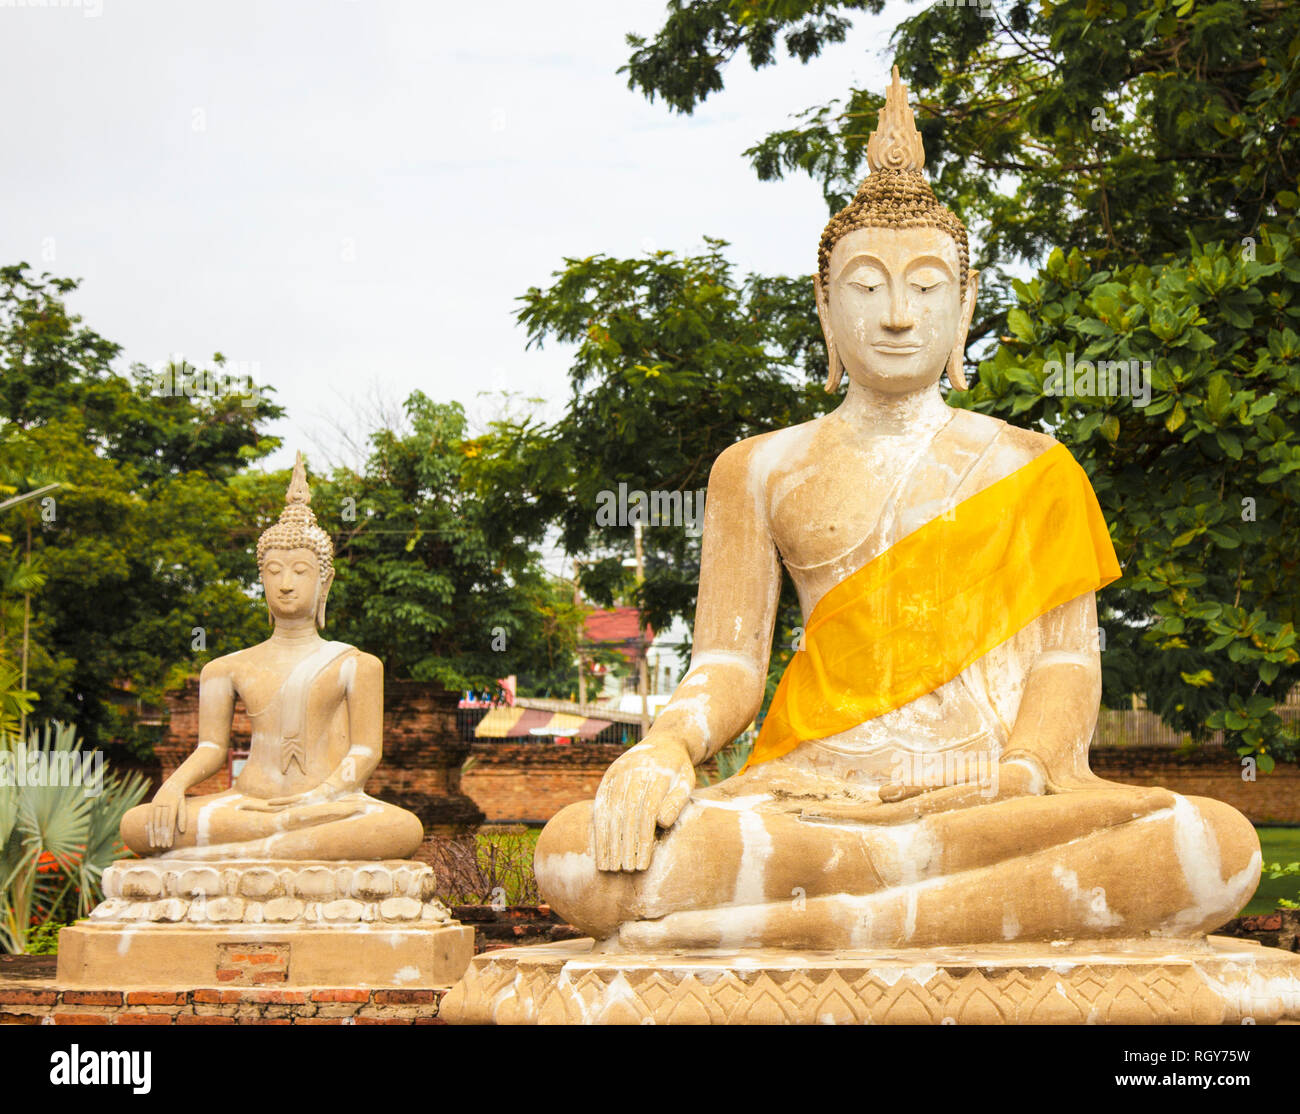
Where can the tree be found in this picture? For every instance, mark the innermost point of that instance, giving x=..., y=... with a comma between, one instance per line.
x=426, y=582
x=1113, y=126
x=1124, y=131
x=676, y=358
x=146, y=569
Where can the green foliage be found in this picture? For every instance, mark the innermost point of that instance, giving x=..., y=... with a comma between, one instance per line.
x=684, y=62
x=1106, y=125
x=676, y=359
x=55, y=838
x=731, y=760
x=44, y=938
x=1201, y=486
x=425, y=582
x=146, y=539
x=1290, y=870
x=493, y=867
x=1123, y=130
x=15, y=702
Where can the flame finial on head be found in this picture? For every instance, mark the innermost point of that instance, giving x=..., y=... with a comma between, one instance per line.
x=896, y=144
x=298, y=491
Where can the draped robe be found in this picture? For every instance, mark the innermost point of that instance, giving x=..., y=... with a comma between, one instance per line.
x=983, y=546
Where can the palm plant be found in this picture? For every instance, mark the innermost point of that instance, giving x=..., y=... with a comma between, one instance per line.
x=731, y=759
x=15, y=702
x=55, y=837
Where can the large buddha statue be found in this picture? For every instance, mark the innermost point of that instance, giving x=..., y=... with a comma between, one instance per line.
x=921, y=778
x=317, y=714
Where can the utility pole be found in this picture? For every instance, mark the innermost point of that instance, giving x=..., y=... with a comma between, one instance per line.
x=27, y=596
x=642, y=680
x=582, y=664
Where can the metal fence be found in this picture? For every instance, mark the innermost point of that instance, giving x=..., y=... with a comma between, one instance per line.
x=1140, y=727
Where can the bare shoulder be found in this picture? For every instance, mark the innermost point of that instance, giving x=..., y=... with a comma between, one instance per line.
x=755, y=459
x=360, y=666
x=226, y=666
x=1015, y=444
x=366, y=663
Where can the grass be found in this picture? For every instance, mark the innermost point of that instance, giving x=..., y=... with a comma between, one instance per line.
x=1280, y=845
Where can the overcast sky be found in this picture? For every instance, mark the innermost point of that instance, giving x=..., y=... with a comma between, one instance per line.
x=349, y=195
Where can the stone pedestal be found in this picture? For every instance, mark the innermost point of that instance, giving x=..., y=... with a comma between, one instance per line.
x=1215, y=981
x=173, y=922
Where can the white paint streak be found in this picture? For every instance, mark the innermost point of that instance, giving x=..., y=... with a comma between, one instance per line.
x=1091, y=906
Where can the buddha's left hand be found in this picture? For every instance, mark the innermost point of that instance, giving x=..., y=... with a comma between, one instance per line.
x=318, y=796
x=1021, y=777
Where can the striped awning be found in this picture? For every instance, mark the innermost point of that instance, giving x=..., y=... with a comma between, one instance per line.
x=512, y=723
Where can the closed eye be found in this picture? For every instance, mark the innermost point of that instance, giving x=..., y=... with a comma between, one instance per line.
x=868, y=287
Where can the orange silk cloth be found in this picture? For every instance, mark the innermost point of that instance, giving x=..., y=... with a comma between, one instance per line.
x=942, y=597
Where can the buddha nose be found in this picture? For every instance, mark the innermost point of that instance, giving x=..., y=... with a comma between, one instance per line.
x=899, y=316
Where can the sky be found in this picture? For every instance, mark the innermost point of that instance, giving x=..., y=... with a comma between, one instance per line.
x=346, y=197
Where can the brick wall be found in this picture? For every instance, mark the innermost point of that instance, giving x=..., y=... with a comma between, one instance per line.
x=42, y=1002
x=1271, y=798
x=530, y=782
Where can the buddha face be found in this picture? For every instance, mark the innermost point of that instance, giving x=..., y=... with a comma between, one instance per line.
x=893, y=310
x=292, y=581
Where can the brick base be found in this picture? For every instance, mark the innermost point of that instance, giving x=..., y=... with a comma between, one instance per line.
x=42, y=1003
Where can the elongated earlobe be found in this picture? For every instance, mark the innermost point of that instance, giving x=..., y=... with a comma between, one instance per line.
x=956, y=369
x=956, y=373
x=322, y=594
x=834, y=365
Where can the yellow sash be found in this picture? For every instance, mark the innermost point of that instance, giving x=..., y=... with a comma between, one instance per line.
x=939, y=599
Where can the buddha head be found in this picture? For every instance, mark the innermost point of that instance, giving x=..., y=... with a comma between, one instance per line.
x=296, y=557
x=895, y=292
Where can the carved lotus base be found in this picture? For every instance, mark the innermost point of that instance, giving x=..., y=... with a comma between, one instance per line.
x=172, y=922
x=1217, y=981
x=224, y=892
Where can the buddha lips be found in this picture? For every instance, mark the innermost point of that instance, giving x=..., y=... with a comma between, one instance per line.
x=912, y=618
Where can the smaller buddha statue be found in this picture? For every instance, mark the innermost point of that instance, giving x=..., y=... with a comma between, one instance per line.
x=317, y=712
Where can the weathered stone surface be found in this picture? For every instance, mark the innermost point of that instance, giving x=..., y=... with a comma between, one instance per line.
x=166, y=956
x=273, y=892
x=1153, y=982
x=261, y=882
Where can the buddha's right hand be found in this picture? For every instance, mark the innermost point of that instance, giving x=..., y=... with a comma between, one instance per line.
x=166, y=817
x=644, y=788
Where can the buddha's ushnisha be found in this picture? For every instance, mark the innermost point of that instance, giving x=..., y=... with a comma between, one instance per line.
x=921, y=776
